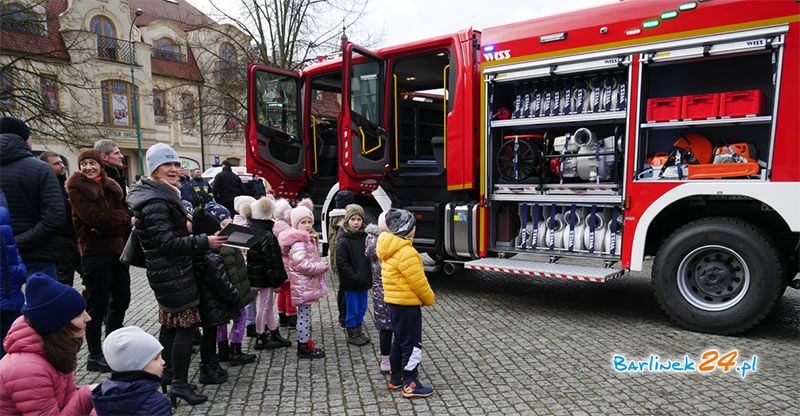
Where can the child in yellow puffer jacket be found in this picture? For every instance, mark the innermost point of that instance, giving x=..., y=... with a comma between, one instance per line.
x=405, y=289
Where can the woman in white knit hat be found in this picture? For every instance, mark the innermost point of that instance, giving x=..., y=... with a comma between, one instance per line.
x=169, y=247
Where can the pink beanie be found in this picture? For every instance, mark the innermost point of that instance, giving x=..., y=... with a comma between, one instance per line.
x=300, y=212
x=382, y=222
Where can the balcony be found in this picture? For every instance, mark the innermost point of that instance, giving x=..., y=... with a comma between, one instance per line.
x=168, y=55
x=115, y=50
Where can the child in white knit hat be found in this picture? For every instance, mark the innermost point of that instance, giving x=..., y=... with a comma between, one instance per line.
x=266, y=272
x=136, y=367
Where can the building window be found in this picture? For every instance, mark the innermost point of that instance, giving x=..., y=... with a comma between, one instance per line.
x=187, y=109
x=106, y=37
x=49, y=93
x=226, y=66
x=6, y=88
x=228, y=106
x=166, y=48
x=117, y=102
x=16, y=17
x=160, y=106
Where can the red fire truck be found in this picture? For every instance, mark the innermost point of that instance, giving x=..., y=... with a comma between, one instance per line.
x=577, y=144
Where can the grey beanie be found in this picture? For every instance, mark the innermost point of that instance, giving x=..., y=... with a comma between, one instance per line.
x=159, y=154
x=400, y=222
x=130, y=349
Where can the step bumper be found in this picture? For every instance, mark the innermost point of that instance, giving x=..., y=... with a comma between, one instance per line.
x=555, y=270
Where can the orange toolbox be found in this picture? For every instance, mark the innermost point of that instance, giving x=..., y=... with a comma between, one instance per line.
x=742, y=103
x=700, y=106
x=664, y=109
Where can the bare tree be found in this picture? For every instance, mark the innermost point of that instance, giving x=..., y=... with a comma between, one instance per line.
x=37, y=70
x=286, y=34
x=289, y=34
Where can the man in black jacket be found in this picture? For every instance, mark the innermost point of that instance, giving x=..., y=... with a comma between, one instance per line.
x=69, y=259
x=34, y=198
x=227, y=185
x=114, y=163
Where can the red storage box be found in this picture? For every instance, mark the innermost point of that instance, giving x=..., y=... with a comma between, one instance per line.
x=664, y=109
x=700, y=106
x=742, y=103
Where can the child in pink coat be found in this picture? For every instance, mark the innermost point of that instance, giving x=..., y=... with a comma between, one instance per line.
x=37, y=373
x=306, y=274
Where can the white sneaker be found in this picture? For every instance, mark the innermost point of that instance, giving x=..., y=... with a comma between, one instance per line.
x=385, y=365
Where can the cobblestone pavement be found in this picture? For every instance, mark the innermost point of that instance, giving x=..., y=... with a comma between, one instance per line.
x=496, y=343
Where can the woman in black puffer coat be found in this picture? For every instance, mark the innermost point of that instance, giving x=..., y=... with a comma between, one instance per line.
x=169, y=247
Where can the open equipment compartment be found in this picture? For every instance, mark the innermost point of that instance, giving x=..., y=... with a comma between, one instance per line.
x=555, y=157
x=707, y=110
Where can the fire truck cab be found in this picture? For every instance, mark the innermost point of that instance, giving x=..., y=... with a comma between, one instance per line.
x=647, y=128
x=397, y=127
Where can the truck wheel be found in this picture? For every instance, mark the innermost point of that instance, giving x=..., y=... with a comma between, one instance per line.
x=718, y=275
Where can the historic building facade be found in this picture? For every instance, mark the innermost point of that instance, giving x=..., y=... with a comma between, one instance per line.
x=188, y=77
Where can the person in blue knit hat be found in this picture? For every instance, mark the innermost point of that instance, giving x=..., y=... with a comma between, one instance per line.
x=37, y=372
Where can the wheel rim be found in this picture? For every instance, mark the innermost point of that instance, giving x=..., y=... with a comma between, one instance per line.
x=713, y=278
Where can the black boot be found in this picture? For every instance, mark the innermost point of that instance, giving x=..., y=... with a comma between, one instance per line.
x=210, y=374
x=309, y=350
x=251, y=331
x=97, y=363
x=238, y=357
x=291, y=321
x=353, y=337
x=265, y=342
x=182, y=389
x=166, y=379
x=282, y=321
x=363, y=333
x=224, y=351
x=276, y=336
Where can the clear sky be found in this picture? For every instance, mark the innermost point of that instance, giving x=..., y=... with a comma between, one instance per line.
x=403, y=21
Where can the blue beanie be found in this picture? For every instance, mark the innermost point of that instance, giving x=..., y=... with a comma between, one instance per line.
x=50, y=303
x=219, y=212
x=344, y=198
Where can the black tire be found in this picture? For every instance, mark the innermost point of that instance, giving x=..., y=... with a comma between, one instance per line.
x=718, y=275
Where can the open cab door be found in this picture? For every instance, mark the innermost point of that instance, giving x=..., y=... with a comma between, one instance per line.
x=275, y=145
x=363, y=139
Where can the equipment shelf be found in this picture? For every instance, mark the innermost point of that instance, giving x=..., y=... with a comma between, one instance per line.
x=565, y=198
x=608, y=116
x=709, y=123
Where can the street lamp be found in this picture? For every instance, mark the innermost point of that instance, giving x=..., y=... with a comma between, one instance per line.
x=133, y=92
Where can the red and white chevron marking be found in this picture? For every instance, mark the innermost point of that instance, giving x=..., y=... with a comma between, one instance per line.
x=543, y=274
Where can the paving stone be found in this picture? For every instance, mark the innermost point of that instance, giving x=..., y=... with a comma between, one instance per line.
x=504, y=344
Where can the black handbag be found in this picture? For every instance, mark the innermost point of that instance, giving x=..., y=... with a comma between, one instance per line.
x=132, y=254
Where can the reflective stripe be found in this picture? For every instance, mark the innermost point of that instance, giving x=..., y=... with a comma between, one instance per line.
x=414, y=359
